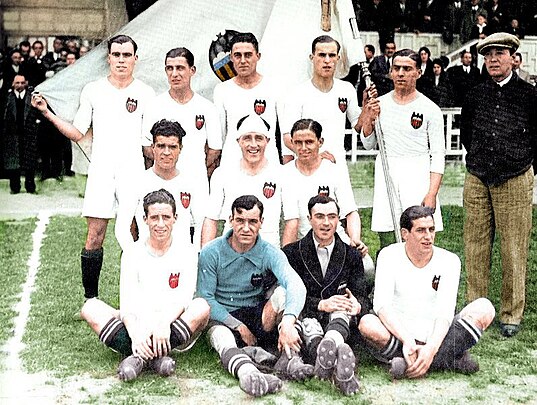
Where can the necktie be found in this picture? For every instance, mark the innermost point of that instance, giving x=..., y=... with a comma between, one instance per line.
x=388, y=63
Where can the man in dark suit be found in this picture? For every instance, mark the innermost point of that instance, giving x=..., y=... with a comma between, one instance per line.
x=380, y=69
x=337, y=294
x=20, y=137
x=36, y=66
x=463, y=77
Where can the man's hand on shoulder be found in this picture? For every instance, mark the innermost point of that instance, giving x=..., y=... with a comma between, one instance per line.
x=327, y=155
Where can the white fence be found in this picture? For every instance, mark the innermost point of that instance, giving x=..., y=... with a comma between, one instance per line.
x=452, y=134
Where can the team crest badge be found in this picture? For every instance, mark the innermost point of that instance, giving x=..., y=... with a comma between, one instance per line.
x=343, y=103
x=324, y=190
x=131, y=105
x=436, y=281
x=416, y=120
x=269, y=189
x=200, y=121
x=256, y=280
x=173, y=280
x=185, y=199
x=260, y=106
x=219, y=58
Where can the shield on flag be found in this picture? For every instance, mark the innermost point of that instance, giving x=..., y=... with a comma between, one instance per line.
x=200, y=121
x=342, y=102
x=131, y=105
x=269, y=189
x=185, y=199
x=416, y=120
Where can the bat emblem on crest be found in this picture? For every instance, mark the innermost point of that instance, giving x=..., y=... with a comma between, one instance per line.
x=324, y=190
x=131, y=105
x=269, y=189
x=416, y=120
x=436, y=281
x=200, y=121
x=173, y=281
x=260, y=106
x=185, y=199
x=343, y=103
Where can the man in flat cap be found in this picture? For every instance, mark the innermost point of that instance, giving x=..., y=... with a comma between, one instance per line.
x=499, y=130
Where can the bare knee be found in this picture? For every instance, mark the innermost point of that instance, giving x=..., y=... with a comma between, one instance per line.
x=96, y=233
x=197, y=314
x=97, y=313
x=481, y=312
x=372, y=329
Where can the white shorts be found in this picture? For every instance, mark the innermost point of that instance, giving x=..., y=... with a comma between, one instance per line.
x=100, y=199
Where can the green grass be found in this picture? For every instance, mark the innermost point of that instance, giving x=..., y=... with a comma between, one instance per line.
x=362, y=173
x=15, y=249
x=65, y=347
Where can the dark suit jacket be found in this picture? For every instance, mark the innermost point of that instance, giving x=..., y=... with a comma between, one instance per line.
x=462, y=82
x=20, y=144
x=345, y=270
x=381, y=75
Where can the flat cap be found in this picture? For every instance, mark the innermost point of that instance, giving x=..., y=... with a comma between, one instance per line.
x=498, y=40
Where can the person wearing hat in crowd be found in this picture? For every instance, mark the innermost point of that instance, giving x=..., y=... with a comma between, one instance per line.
x=498, y=131
x=253, y=174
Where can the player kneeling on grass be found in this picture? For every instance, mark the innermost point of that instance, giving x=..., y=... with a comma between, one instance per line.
x=416, y=287
x=333, y=274
x=233, y=273
x=157, y=312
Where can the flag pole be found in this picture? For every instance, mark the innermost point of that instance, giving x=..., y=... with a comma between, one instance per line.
x=350, y=33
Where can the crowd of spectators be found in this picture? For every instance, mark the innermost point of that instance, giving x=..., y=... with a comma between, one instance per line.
x=29, y=64
x=466, y=18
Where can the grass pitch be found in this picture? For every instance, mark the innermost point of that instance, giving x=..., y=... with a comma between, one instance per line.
x=65, y=348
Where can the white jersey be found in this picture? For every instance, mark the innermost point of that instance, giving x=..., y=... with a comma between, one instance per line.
x=151, y=284
x=415, y=146
x=233, y=103
x=189, y=198
x=331, y=109
x=199, y=118
x=418, y=296
x=116, y=117
x=329, y=180
x=230, y=182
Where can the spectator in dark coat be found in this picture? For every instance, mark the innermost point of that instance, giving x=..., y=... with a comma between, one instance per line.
x=20, y=136
x=441, y=91
x=463, y=77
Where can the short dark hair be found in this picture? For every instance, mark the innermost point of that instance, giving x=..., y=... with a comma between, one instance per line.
x=13, y=51
x=246, y=37
x=321, y=199
x=181, y=52
x=161, y=196
x=464, y=52
x=166, y=127
x=38, y=42
x=324, y=39
x=121, y=39
x=370, y=48
x=307, y=123
x=24, y=43
x=246, y=202
x=408, y=53
x=412, y=213
x=519, y=55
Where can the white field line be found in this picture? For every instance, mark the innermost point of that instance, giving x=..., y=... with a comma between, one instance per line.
x=11, y=379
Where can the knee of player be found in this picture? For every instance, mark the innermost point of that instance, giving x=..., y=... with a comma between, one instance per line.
x=201, y=308
x=481, y=312
x=371, y=328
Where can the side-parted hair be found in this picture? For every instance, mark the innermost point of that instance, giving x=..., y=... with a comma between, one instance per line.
x=413, y=213
x=324, y=39
x=161, y=196
x=370, y=48
x=321, y=199
x=181, y=52
x=307, y=123
x=246, y=202
x=246, y=37
x=121, y=39
x=410, y=54
x=166, y=127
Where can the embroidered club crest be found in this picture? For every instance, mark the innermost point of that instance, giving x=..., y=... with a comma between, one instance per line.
x=269, y=189
x=260, y=106
x=219, y=59
x=324, y=190
x=436, y=281
x=416, y=120
x=200, y=121
x=173, y=280
x=131, y=105
x=343, y=103
x=256, y=280
x=185, y=199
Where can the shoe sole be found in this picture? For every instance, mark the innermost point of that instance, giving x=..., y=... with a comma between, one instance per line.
x=326, y=359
